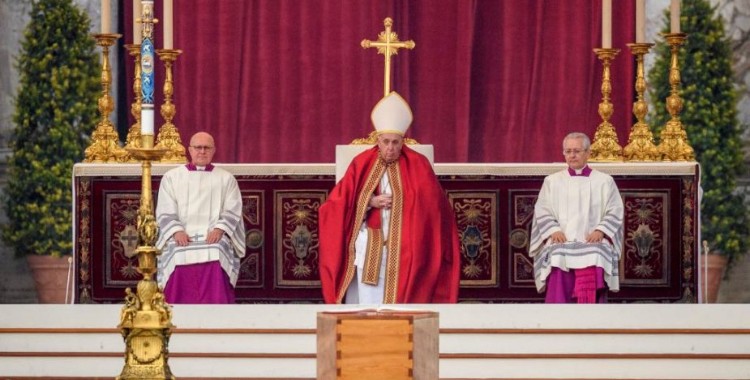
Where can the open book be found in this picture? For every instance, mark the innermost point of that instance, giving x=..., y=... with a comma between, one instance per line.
x=379, y=309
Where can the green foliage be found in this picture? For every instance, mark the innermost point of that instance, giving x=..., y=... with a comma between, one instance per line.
x=56, y=111
x=710, y=119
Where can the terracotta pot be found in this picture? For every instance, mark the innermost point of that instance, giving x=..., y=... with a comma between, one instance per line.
x=716, y=266
x=50, y=277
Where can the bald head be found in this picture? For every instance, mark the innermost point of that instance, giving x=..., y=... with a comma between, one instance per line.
x=200, y=138
x=202, y=148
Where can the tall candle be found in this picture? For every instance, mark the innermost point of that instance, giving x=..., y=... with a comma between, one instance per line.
x=674, y=16
x=640, y=21
x=168, y=24
x=136, y=25
x=106, y=16
x=606, y=24
x=147, y=69
x=147, y=120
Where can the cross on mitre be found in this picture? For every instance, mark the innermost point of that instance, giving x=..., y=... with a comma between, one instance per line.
x=388, y=45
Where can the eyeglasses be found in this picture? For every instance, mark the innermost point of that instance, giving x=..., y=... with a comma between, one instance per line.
x=201, y=147
x=570, y=152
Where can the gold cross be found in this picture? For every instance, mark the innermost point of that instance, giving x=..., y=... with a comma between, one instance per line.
x=388, y=45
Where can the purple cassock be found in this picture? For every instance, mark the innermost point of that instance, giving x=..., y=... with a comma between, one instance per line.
x=576, y=286
x=199, y=283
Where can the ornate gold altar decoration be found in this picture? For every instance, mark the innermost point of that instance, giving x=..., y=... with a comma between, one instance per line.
x=104, y=145
x=146, y=319
x=388, y=45
x=674, y=145
x=605, y=146
x=134, y=133
x=641, y=145
x=169, y=137
x=372, y=139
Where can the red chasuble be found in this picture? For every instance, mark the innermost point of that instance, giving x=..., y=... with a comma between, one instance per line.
x=423, y=250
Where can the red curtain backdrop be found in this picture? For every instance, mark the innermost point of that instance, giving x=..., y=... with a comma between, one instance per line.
x=489, y=81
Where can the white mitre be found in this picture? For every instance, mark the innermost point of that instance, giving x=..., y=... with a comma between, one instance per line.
x=392, y=115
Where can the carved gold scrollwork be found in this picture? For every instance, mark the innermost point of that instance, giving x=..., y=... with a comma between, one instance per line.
x=104, y=140
x=605, y=146
x=372, y=139
x=674, y=145
x=641, y=145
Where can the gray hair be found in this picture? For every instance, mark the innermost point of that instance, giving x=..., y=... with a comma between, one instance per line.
x=578, y=135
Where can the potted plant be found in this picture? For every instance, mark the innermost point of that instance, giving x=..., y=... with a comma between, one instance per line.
x=55, y=111
x=713, y=129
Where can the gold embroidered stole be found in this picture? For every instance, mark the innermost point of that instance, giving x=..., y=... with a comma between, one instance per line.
x=393, y=244
x=375, y=240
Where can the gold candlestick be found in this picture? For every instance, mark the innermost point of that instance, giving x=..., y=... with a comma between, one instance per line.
x=169, y=137
x=674, y=145
x=606, y=146
x=641, y=145
x=146, y=319
x=105, y=145
x=134, y=133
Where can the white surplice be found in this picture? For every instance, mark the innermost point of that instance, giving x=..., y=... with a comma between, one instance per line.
x=196, y=202
x=576, y=206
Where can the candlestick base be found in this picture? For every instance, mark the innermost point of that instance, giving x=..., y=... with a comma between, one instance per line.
x=605, y=146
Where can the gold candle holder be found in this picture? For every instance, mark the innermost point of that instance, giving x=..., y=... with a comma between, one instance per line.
x=145, y=318
x=105, y=145
x=169, y=137
x=134, y=133
x=606, y=146
x=674, y=145
x=641, y=145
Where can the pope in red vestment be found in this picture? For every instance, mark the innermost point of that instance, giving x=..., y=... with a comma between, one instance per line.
x=422, y=256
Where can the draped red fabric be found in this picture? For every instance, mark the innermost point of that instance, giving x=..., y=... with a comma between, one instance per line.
x=489, y=81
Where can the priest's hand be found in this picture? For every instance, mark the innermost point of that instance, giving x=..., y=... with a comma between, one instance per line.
x=214, y=236
x=181, y=238
x=595, y=237
x=558, y=237
x=381, y=201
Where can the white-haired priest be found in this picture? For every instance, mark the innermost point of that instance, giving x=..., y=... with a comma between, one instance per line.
x=202, y=232
x=387, y=231
x=576, y=235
